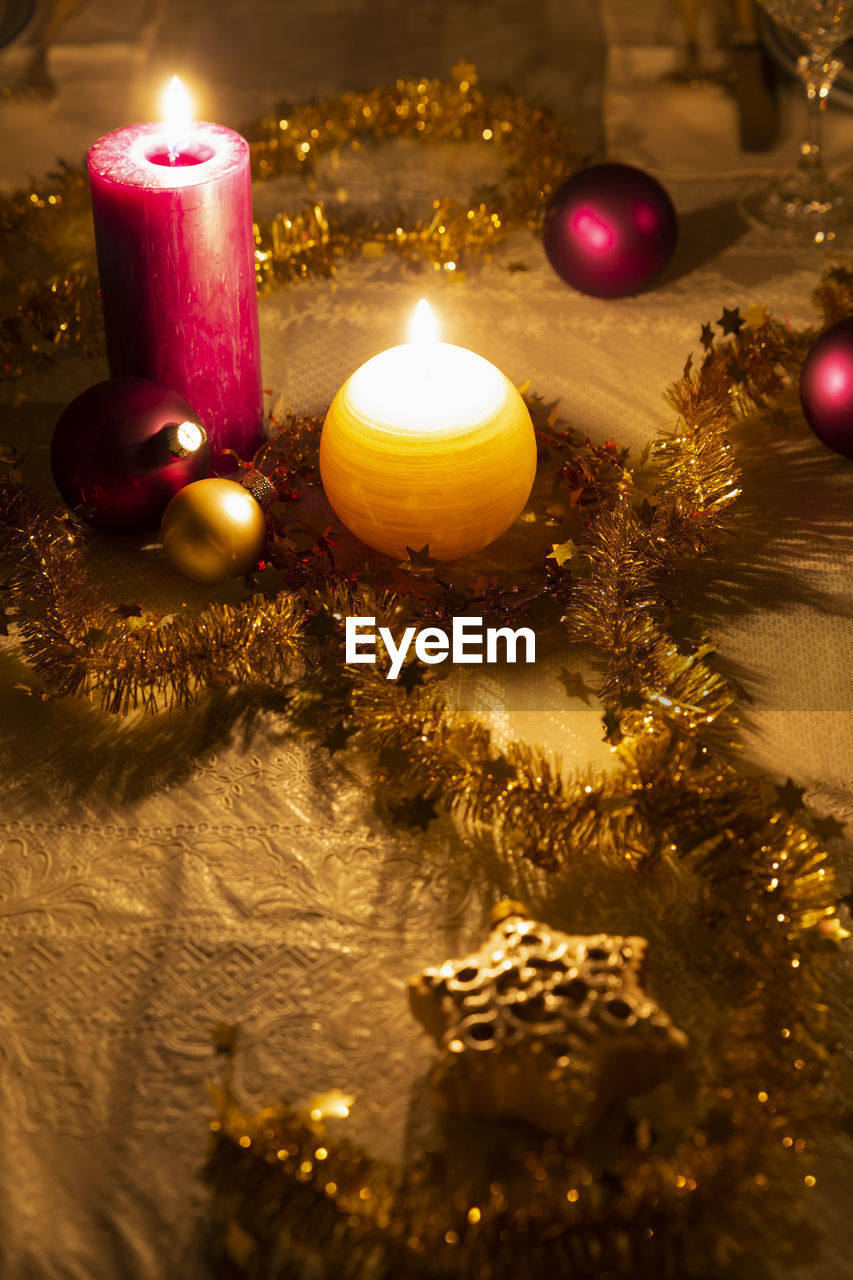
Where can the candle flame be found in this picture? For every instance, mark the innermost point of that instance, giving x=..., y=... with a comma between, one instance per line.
x=424, y=326
x=177, y=114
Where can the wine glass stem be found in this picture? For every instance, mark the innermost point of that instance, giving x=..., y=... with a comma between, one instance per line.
x=817, y=72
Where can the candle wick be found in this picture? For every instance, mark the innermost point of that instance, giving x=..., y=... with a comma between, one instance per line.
x=173, y=157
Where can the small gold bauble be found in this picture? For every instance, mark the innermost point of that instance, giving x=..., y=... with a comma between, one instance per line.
x=212, y=530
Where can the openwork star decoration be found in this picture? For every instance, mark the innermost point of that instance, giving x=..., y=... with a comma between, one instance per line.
x=542, y=1026
x=731, y=321
x=707, y=338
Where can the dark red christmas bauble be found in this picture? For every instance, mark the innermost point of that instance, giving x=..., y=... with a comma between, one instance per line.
x=610, y=230
x=123, y=449
x=826, y=387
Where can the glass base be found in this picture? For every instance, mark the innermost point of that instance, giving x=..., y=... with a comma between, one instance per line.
x=814, y=218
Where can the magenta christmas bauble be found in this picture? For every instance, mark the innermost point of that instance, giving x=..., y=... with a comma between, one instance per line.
x=826, y=387
x=610, y=230
x=123, y=449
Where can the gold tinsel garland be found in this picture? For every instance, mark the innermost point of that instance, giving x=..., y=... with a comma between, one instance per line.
x=764, y=882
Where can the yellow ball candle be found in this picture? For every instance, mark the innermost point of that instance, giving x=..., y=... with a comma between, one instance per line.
x=427, y=443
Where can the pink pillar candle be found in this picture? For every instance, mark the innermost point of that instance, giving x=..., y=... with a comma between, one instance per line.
x=173, y=229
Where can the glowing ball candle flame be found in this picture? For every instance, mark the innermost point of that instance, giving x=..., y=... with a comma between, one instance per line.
x=427, y=444
x=172, y=206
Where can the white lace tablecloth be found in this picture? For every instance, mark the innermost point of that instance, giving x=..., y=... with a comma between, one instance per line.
x=158, y=876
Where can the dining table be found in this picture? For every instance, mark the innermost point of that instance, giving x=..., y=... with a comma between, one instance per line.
x=212, y=892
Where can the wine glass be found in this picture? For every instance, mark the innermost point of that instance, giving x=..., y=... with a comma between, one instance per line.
x=806, y=202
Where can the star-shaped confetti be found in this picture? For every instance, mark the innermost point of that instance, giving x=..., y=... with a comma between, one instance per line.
x=392, y=760
x=270, y=582
x=682, y=628
x=568, y=553
x=789, y=797
x=419, y=559
x=731, y=321
x=336, y=737
x=575, y=685
x=377, y=578
x=320, y=625
x=500, y=769
x=612, y=728
x=411, y=675
x=417, y=811
x=834, y=930
x=543, y=1026
x=756, y=316
x=562, y=552
x=408, y=584
x=126, y=611
x=646, y=513
x=828, y=828
x=707, y=338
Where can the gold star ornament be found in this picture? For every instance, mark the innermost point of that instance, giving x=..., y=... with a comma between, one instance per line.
x=543, y=1026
